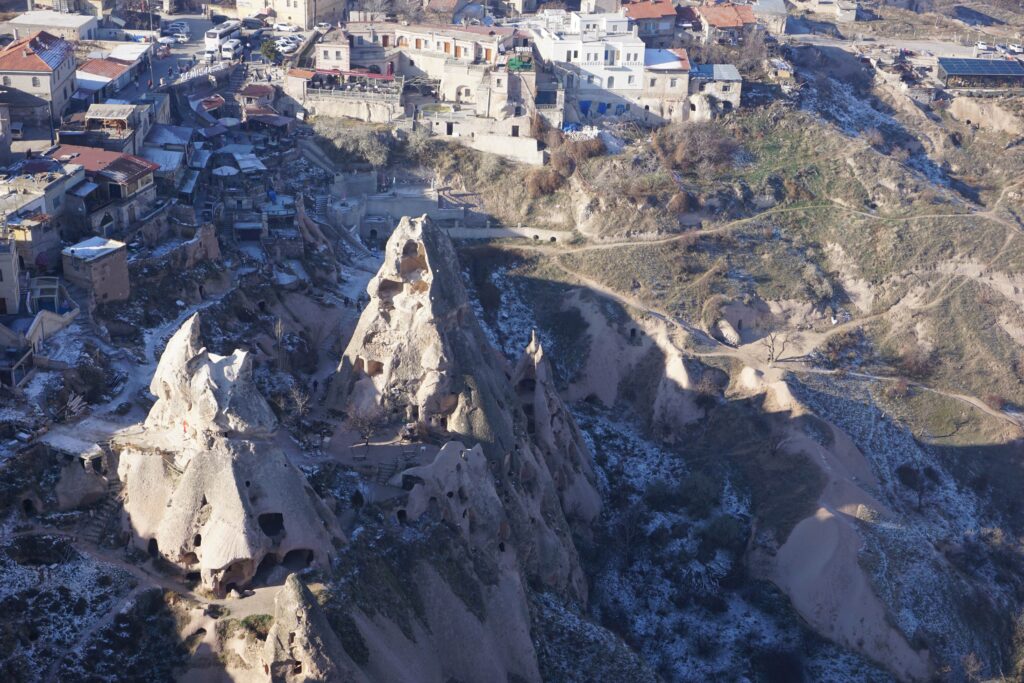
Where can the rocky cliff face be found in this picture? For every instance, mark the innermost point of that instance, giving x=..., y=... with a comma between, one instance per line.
x=205, y=486
x=419, y=355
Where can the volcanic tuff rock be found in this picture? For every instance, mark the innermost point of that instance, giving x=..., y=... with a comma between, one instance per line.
x=204, y=486
x=418, y=354
x=301, y=645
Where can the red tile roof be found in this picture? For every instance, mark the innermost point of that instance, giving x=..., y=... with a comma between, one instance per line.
x=652, y=9
x=301, y=73
x=257, y=90
x=110, y=67
x=728, y=16
x=116, y=166
x=39, y=52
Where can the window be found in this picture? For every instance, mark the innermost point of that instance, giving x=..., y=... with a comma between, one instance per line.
x=607, y=55
x=327, y=54
x=654, y=82
x=35, y=81
x=672, y=82
x=611, y=81
x=568, y=58
x=337, y=54
x=7, y=80
x=590, y=79
x=575, y=54
x=726, y=87
x=631, y=80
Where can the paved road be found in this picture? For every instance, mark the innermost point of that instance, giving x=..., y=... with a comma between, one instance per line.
x=937, y=47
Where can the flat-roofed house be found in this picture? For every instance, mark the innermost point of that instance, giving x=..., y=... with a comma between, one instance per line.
x=100, y=266
x=61, y=24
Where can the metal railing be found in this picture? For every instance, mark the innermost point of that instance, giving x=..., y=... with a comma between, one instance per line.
x=354, y=95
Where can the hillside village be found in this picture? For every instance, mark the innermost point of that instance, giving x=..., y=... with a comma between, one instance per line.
x=629, y=341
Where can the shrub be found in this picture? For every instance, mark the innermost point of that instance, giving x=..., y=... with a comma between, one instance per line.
x=700, y=493
x=258, y=625
x=680, y=203
x=562, y=163
x=995, y=402
x=543, y=182
x=915, y=362
x=662, y=496
x=701, y=149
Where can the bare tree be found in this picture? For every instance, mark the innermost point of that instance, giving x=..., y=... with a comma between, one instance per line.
x=301, y=401
x=279, y=337
x=366, y=423
x=775, y=346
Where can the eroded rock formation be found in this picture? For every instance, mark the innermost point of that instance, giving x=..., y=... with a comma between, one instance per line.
x=205, y=486
x=418, y=354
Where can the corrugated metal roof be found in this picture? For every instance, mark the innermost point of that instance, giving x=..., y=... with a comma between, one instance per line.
x=716, y=72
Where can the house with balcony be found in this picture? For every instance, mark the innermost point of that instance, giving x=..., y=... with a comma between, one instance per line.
x=118, y=190
x=597, y=58
x=115, y=127
x=42, y=67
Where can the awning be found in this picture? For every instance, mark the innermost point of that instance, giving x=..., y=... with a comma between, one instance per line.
x=225, y=171
x=84, y=189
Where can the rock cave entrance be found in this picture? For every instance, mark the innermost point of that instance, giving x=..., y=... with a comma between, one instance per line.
x=153, y=548
x=271, y=523
x=388, y=290
x=266, y=567
x=297, y=559
x=413, y=259
x=28, y=506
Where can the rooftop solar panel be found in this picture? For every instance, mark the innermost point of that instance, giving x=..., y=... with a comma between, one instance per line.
x=981, y=67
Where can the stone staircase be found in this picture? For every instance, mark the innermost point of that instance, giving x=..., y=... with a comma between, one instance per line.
x=387, y=470
x=107, y=515
x=236, y=82
x=84, y=301
x=320, y=207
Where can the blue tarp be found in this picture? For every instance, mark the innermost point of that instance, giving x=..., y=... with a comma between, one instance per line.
x=584, y=106
x=571, y=127
x=602, y=107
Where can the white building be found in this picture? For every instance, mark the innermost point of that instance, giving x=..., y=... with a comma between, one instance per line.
x=60, y=24
x=597, y=58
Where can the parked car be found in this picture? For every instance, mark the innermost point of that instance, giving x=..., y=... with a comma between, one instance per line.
x=17, y=130
x=181, y=37
x=323, y=27
x=252, y=23
x=286, y=28
x=179, y=27
x=167, y=40
x=287, y=48
x=982, y=46
x=1015, y=49
x=219, y=18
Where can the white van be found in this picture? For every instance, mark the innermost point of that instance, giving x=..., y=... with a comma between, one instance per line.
x=231, y=49
x=17, y=130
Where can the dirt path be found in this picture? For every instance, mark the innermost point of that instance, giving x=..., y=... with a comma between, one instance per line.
x=754, y=355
